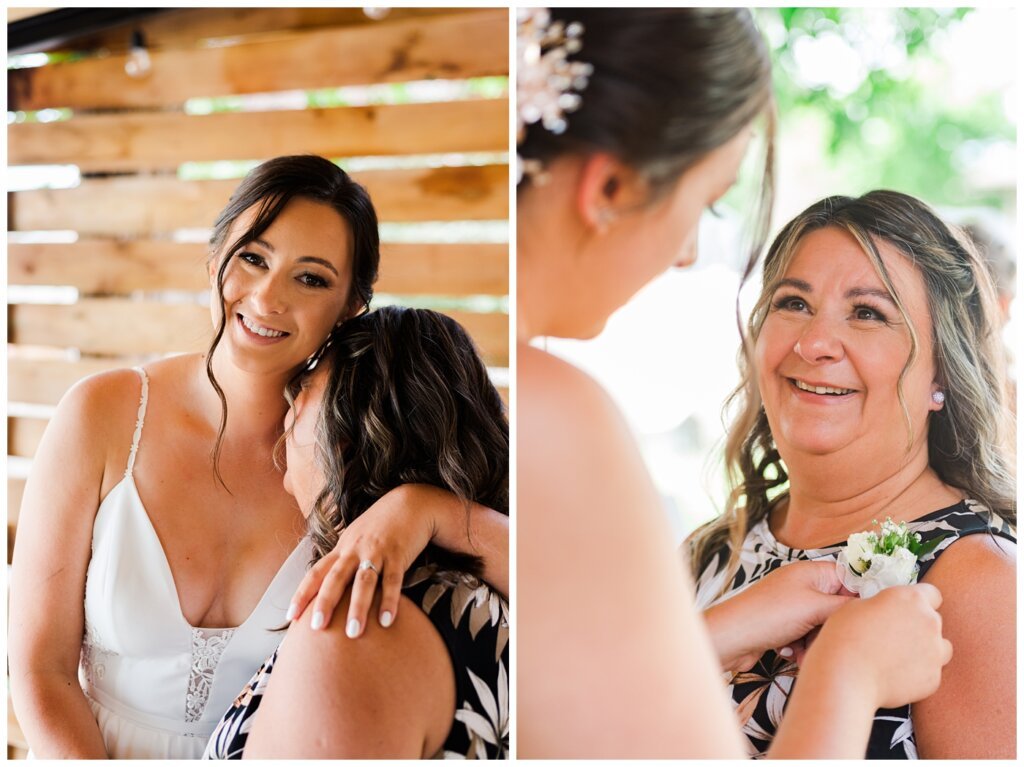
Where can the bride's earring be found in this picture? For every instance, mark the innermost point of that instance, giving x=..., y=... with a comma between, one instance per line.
x=605, y=216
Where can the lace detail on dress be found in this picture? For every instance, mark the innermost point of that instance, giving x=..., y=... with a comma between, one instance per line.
x=207, y=647
x=94, y=656
x=143, y=399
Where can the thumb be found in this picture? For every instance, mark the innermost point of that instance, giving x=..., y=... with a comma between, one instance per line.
x=826, y=604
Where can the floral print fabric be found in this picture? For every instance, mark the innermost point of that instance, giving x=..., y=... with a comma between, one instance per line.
x=473, y=622
x=760, y=694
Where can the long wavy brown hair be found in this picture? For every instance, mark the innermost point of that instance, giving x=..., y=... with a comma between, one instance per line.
x=968, y=440
x=407, y=400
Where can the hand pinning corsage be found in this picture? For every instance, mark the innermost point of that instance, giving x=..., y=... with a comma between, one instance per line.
x=872, y=561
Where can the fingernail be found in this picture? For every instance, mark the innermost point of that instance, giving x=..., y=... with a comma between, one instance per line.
x=786, y=652
x=318, y=620
x=352, y=630
x=385, y=618
x=290, y=615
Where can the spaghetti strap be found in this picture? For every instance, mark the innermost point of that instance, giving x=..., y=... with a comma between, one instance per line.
x=143, y=399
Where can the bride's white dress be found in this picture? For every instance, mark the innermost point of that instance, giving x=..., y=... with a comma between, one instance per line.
x=157, y=685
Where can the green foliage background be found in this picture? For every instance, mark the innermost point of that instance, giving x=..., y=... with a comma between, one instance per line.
x=918, y=151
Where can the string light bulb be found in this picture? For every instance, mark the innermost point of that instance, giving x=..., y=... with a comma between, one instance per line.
x=138, y=63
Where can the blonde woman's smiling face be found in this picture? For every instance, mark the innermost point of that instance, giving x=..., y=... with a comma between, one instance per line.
x=833, y=347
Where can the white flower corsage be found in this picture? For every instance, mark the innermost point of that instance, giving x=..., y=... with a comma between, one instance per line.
x=873, y=561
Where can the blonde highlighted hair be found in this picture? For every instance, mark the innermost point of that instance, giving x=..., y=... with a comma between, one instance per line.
x=969, y=444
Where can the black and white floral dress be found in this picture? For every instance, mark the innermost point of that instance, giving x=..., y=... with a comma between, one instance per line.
x=760, y=694
x=473, y=622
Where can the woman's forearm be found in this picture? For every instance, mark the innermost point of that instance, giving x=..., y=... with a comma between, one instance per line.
x=728, y=645
x=55, y=716
x=482, y=533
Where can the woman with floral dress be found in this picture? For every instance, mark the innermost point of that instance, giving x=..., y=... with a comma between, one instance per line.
x=876, y=390
x=400, y=396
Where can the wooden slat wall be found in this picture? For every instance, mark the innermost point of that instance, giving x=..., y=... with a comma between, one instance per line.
x=182, y=28
x=129, y=137
x=393, y=51
x=139, y=205
x=154, y=141
x=122, y=266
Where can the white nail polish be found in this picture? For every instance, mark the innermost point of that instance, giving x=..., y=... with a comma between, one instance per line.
x=318, y=620
x=290, y=615
x=385, y=618
x=352, y=629
x=786, y=652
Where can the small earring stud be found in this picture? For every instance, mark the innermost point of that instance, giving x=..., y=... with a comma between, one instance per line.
x=604, y=217
x=938, y=397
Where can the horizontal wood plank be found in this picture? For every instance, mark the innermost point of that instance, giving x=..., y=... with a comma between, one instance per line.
x=192, y=27
x=490, y=334
x=472, y=44
x=44, y=382
x=124, y=206
x=112, y=326
x=122, y=266
x=118, y=326
x=139, y=206
x=164, y=140
x=23, y=436
x=452, y=269
x=110, y=266
x=15, y=491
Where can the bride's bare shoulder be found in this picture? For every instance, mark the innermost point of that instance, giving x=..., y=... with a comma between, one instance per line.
x=573, y=441
x=550, y=387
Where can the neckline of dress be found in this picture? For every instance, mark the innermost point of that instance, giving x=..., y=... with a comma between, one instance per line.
x=763, y=530
x=129, y=481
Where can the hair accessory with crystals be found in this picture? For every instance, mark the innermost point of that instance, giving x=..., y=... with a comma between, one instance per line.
x=547, y=84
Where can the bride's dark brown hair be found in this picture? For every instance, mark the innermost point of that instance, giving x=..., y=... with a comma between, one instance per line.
x=668, y=86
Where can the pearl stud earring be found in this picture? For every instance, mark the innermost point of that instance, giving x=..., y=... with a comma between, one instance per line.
x=938, y=397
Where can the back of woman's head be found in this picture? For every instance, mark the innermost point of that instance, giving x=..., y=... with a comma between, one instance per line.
x=668, y=86
x=407, y=400
x=968, y=445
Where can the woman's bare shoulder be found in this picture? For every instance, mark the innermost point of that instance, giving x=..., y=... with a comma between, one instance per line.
x=973, y=565
x=384, y=694
x=576, y=455
x=104, y=402
x=557, y=400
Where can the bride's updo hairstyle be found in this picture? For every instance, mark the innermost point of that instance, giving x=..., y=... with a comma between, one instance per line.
x=968, y=440
x=668, y=85
x=270, y=186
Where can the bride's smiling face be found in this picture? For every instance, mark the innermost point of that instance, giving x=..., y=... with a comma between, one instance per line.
x=284, y=291
x=832, y=349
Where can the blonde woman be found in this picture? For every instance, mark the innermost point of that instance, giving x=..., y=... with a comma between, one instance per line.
x=876, y=390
